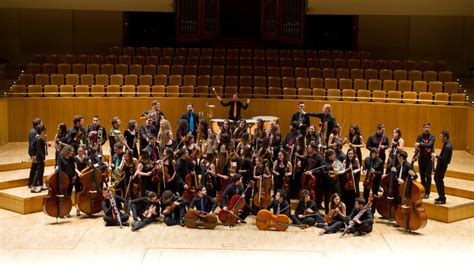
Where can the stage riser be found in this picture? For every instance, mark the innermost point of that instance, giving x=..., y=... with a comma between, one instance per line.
x=21, y=205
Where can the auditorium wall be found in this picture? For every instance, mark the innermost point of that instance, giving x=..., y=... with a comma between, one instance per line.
x=3, y=121
x=470, y=131
x=409, y=117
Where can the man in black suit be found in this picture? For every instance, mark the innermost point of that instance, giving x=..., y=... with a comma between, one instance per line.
x=235, y=106
x=301, y=118
x=146, y=130
x=192, y=118
x=443, y=159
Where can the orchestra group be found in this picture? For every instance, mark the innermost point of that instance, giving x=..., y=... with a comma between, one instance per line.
x=187, y=174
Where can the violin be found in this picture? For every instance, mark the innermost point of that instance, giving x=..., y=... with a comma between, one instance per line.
x=410, y=214
x=89, y=199
x=229, y=217
x=57, y=203
x=171, y=207
x=197, y=219
x=150, y=211
x=332, y=214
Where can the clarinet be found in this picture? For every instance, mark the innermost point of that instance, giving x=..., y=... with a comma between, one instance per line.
x=115, y=210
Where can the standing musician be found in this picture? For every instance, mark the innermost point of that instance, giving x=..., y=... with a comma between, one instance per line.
x=355, y=140
x=170, y=167
x=108, y=210
x=425, y=144
x=265, y=152
x=335, y=142
x=208, y=173
x=443, y=159
x=127, y=168
x=173, y=208
x=259, y=133
x=277, y=145
x=60, y=140
x=298, y=154
x=336, y=217
x=225, y=129
x=404, y=168
x=182, y=130
x=241, y=129
x=373, y=166
x=114, y=134
x=260, y=172
x=244, y=141
x=96, y=135
x=192, y=118
x=350, y=184
x=131, y=137
x=184, y=166
x=32, y=152
x=155, y=113
x=166, y=140
x=116, y=156
x=145, y=171
x=279, y=204
x=81, y=162
x=152, y=148
x=379, y=141
x=246, y=170
x=397, y=145
x=39, y=147
x=146, y=130
x=307, y=211
x=328, y=121
x=290, y=139
x=147, y=208
x=67, y=165
x=77, y=134
x=282, y=171
x=235, y=188
x=311, y=136
x=301, y=119
x=363, y=224
x=202, y=202
x=311, y=161
x=235, y=107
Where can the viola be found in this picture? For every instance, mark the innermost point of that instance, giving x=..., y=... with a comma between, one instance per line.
x=236, y=204
x=266, y=220
x=262, y=198
x=89, y=199
x=410, y=214
x=57, y=203
x=331, y=215
x=197, y=219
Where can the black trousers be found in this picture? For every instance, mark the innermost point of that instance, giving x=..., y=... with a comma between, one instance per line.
x=147, y=184
x=348, y=197
x=439, y=179
x=143, y=222
x=277, y=184
x=311, y=221
x=109, y=221
x=375, y=192
x=334, y=227
x=426, y=167
x=362, y=228
x=38, y=175
x=177, y=215
x=77, y=186
x=34, y=167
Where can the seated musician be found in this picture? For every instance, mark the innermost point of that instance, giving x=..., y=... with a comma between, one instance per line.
x=173, y=208
x=236, y=188
x=109, y=217
x=202, y=202
x=373, y=164
x=280, y=205
x=337, y=215
x=146, y=208
x=307, y=212
x=363, y=224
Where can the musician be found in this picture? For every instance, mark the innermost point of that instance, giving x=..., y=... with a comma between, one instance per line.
x=279, y=204
x=173, y=208
x=146, y=130
x=311, y=136
x=335, y=142
x=404, y=169
x=117, y=155
x=277, y=145
x=266, y=153
x=147, y=208
x=373, y=165
x=363, y=224
x=355, y=140
x=128, y=167
x=259, y=132
x=298, y=153
x=350, y=182
x=301, y=118
x=38, y=147
x=77, y=134
x=170, y=165
x=152, y=148
x=443, y=159
x=184, y=166
x=155, y=113
x=225, y=129
x=32, y=152
x=181, y=132
x=244, y=141
x=145, y=172
x=246, y=170
x=235, y=188
x=235, y=106
x=95, y=134
x=114, y=133
x=260, y=172
x=166, y=140
x=397, y=145
x=425, y=144
x=81, y=162
x=67, y=165
x=311, y=161
x=307, y=211
x=108, y=210
x=290, y=139
x=60, y=140
x=191, y=146
x=192, y=118
x=241, y=129
x=282, y=170
x=330, y=181
x=328, y=121
x=337, y=215
x=131, y=137
x=202, y=202
x=208, y=173
x=379, y=141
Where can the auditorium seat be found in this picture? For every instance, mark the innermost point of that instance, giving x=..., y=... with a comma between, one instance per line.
x=445, y=76
x=71, y=59
x=273, y=82
x=409, y=97
x=337, y=54
x=189, y=80
x=26, y=79
x=363, y=95
x=316, y=83
x=57, y=79
x=409, y=65
x=259, y=71
x=48, y=68
x=97, y=59
x=178, y=60
x=102, y=79
x=218, y=71
x=400, y=74
x=259, y=62
x=271, y=53
x=93, y=69
x=129, y=51
x=286, y=62
x=66, y=90
x=311, y=54
x=160, y=80
x=64, y=69
x=441, y=98
x=18, y=91
x=404, y=85
x=175, y=80
x=121, y=69
x=152, y=60
x=83, y=59
x=435, y=86
x=138, y=60
x=232, y=70
x=330, y=83
x=395, y=64
x=420, y=86
x=414, y=75
x=244, y=71
x=302, y=82
x=116, y=79
x=131, y=80
x=72, y=79
x=230, y=90
x=339, y=63
x=424, y=65
x=348, y=95
x=145, y=90
x=304, y=93
x=375, y=84
x=274, y=92
x=389, y=85
x=319, y=93
x=87, y=79
x=299, y=62
x=217, y=61
x=371, y=74
x=180, y=51
x=129, y=91
x=342, y=73
x=187, y=91
x=458, y=99
x=286, y=72
x=51, y=90
x=345, y=84
x=353, y=63
x=312, y=62
x=351, y=55
x=78, y=69
x=325, y=63
x=259, y=81
x=41, y=79
x=246, y=81
x=301, y=72
x=83, y=90
x=314, y=72
x=430, y=76
x=364, y=54
x=192, y=60
x=158, y=91
x=204, y=70
x=367, y=64
x=324, y=54
x=451, y=87
x=439, y=66
x=379, y=96
x=289, y=93
x=246, y=92
x=246, y=53
x=125, y=60
x=425, y=97
x=273, y=72
x=107, y=69
x=111, y=59
x=394, y=96
x=202, y=91
x=166, y=60
x=207, y=52
x=143, y=51
x=112, y=91
x=329, y=73
x=360, y=84
x=172, y=91
x=334, y=94
x=297, y=53
x=288, y=82
x=136, y=70
x=190, y=70
x=154, y=51
x=233, y=52
x=217, y=82
x=381, y=64
x=145, y=80
x=203, y=80
x=357, y=73
x=386, y=74
x=167, y=51
x=163, y=70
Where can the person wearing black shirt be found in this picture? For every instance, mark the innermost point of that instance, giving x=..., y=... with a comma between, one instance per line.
x=373, y=165
x=192, y=118
x=117, y=156
x=39, y=148
x=152, y=148
x=131, y=137
x=184, y=166
x=202, y=202
x=96, y=133
x=290, y=141
x=67, y=165
x=330, y=182
x=31, y=151
x=108, y=210
x=173, y=208
x=363, y=224
x=425, y=144
x=279, y=204
x=235, y=107
x=328, y=121
x=114, y=134
x=146, y=208
x=443, y=159
x=155, y=113
x=146, y=131
x=307, y=211
x=379, y=141
x=309, y=165
x=337, y=214
x=236, y=188
x=77, y=134
x=301, y=119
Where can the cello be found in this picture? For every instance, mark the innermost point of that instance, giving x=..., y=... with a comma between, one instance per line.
x=262, y=198
x=197, y=219
x=89, y=199
x=266, y=220
x=57, y=203
x=160, y=176
x=410, y=214
x=308, y=182
x=190, y=180
x=229, y=217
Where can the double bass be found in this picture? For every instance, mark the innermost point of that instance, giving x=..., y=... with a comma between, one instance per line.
x=197, y=219
x=387, y=203
x=89, y=199
x=410, y=214
x=57, y=203
x=229, y=217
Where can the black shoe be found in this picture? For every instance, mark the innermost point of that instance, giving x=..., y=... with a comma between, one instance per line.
x=134, y=229
x=78, y=213
x=125, y=224
x=243, y=222
x=357, y=233
x=427, y=196
x=440, y=201
x=181, y=223
x=30, y=187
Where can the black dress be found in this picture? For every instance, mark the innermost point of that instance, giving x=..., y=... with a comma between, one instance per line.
x=131, y=141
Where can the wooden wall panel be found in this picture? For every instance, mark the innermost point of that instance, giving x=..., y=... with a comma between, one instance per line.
x=3, y=121
x=409, y=117
x=470, y=131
